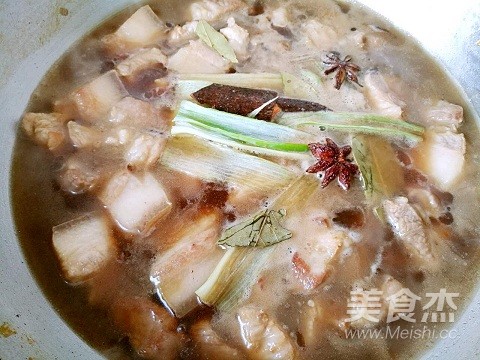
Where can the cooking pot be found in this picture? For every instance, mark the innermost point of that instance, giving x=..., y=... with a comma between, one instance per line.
x=33, y=34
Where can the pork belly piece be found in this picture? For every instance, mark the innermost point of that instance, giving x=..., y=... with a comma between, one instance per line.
x=311, y=320
x=142, y=59
x=141, y=70
x=142, y=29
x=210, y=10
x=93, y=101
x=83, y=246
x=145, y=151
x=237, y=37
x=182, y=269
x=280, y=21
x=262, y=336
x=45, y=129
x=181, y=35
x=268, y=51
x=118, y=136
x=310, y=262
x=306, y=258
x=209, y=345
x=391, y=287
x=356, y=38
x=445, y=114
x=135, y=202
x=384, y=307
x=151, y=330
x=322, y=36
x=377, y=38
x=441, y=156
x=197, y=58
x=349, y=99
x=76, y=177
x=427, y=204
x=83, y=136
x=134, y=112
x=381, y=98
x=280, y=18
x=408, y=228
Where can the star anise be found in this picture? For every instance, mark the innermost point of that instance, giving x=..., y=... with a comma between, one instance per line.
x=345, y=69
x=333, y=160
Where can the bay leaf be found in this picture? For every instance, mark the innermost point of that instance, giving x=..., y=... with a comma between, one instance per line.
x=260, y=230
x=215, y=40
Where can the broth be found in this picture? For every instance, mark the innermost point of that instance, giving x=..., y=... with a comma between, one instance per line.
x=99, y=307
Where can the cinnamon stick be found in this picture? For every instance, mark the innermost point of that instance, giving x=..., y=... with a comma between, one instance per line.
x=242, y=101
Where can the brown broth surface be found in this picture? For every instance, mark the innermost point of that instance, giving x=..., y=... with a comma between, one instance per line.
x=39, y=204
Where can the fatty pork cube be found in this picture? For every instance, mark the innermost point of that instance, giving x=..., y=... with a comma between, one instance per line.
x=322, y=36
x=196, y=58
x=280, y=18
x=381, y=98
x=181, y=35
x=262, y=336
x=237, y=37
x=305, y=260
x=312, y=317
x=135, y=202
x=83, y=246
x=389, y=300
x=441, y=156
x=118, y=136
x=142, y=29
x=390, y=288
x=310, y=262
x=210, y=10
x=151, y=330
x=141, y=60
x=76, y=177
x=82, y=136
x=45, y=129
x=445, y=114
x=145, y=151
x=427, y=204
x=308, y=255
x=209, y=345
x=134, y=112
x=181, y=270
x=93, y=101
x=408, y=228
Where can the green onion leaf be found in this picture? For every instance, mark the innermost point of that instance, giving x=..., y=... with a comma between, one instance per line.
x=382, y=176
x=372, y=124
x=271, y=81
x=240, y=124
x=211, y=162
x=246, y=131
